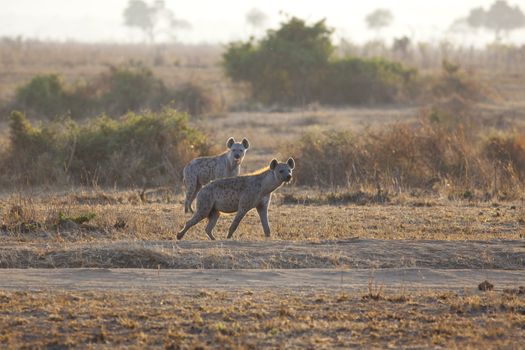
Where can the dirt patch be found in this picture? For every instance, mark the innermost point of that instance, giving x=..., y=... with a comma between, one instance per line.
x=350, y=280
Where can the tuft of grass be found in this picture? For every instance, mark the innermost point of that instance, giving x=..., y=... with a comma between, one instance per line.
x=80, y=219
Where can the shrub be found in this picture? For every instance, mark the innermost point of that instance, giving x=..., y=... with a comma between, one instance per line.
x=135, y=150
x=294, y=65
x=454, y=82
x=425, y=156
x=284, y=67
x=36, y=152
x=44, y=94
x=120, y=90
x=507, y=155
x=357, y=80
x=131, y=88
x=194, y=99
x=327, y=159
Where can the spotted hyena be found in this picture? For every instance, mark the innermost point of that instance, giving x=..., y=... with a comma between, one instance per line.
x=200, y=171
x=240, y=194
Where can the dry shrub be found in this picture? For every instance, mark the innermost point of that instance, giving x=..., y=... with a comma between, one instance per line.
x=506, y=152
x=453, y=81
x=194, y=99
x=423, y=156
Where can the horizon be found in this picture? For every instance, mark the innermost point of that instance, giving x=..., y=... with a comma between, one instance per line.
x=100, y=22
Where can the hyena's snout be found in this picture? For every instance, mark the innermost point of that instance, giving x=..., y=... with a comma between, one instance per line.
x=288, y=178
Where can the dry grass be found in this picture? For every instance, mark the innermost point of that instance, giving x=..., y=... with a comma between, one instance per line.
x=131, y=229
x=123, y=215
x=275, y=318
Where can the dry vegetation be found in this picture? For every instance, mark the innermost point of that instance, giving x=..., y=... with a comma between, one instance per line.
x=129, y=229
x=21, y=60
x=377, y=211
x=124, y=215
x=247, y=319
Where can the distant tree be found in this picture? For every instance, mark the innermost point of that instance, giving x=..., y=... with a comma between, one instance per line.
x=256, y=18
x=152, y=19
x=379, y=19
x=500, y=18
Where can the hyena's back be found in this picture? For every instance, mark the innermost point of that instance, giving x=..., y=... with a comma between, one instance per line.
x=205, y=169
x=224, y=194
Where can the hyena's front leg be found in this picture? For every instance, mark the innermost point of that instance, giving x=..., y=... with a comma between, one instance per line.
x=262, y=210
x=238, y=217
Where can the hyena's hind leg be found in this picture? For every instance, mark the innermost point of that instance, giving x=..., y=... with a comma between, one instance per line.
x=201, y=213
x=213, y=216
x=192, y=188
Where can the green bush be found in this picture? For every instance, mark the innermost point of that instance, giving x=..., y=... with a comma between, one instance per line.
x=36, y=152
x=131, y=88
x=358, y=80
x=193, y=99
x=44, y=94
x=127, y=88
x=135, y=150
x=294, y=65
x=284, y=67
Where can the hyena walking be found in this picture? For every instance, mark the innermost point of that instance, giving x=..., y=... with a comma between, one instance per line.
x=239, y=194
x=200, y=171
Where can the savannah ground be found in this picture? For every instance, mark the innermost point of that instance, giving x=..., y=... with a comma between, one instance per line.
x=344, y=267
x=401, y=274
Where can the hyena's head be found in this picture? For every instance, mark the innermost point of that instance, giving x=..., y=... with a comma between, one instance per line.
x=283, y=171
x=237, y=150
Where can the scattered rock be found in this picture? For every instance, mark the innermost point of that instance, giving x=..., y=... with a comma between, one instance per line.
x=485, y=286
x=120, y=224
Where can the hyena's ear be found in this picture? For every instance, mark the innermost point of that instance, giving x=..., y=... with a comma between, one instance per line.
x=230, y=142
x=245, y=143
x=273, y=163
x=291, y=163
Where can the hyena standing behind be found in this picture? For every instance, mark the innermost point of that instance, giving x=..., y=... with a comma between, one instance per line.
x=240, y=194
x=200, y=171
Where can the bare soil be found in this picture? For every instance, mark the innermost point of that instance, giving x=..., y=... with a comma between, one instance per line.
x=396, y=279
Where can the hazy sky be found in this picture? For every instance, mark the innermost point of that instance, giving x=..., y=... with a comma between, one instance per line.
x=223, y=21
